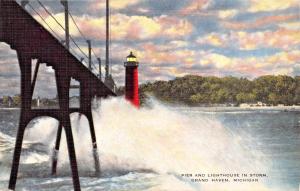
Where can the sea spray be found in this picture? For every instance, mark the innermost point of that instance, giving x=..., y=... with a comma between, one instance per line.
x=157, y=139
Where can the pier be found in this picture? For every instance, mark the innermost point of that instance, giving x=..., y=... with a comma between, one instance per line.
x=32, y=41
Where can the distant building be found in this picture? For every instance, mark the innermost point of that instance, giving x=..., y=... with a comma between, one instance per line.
x=245, y=105
x=261, y=104
x=258, y=104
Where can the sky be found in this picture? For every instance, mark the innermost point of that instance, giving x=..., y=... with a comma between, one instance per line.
x=174, y=38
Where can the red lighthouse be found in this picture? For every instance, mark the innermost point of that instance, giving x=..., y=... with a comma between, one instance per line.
x=131, y=80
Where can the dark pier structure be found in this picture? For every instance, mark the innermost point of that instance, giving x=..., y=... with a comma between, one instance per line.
x=32, y=41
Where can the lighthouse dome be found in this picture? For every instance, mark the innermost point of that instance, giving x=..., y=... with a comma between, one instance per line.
x=131, y=58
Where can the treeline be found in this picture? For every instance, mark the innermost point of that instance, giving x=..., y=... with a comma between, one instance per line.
x=9, y=101
x=15, y=101
x=199, y=90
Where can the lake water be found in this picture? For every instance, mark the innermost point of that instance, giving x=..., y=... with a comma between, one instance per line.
x=151, y=148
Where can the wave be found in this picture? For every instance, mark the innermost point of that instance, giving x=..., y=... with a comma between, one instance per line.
x=158, y=139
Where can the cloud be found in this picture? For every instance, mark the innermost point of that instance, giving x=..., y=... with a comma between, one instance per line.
x=195, y=6
x=260, y=22
x=271, y=5
x=213, y=39
x=164, y=64
x=283, y=63
x=176, y=44
x=285, y=39
x=285, y=58
x=218, y=60
x=282, y=39
x=154, y=54
x=59, y=32
x=254, y=66
x=115, y=4
x=291, y=25
x=155, y=73
x=125, y=27
x=226, y=14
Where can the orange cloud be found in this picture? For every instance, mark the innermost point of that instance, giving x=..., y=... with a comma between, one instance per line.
x=259, y=22
x=225, y=14
x=218, y=61
x=124, y=27
x=213, y=39
x=194, y=6
x=155, y=54
x=60, y=17
x=184, y=59
x=168, y=46
x=115, y=4
x=286, y=58
x=291, y=25
x=282, y=38
x=253, y=66
x=136, y=27
x=271, y=5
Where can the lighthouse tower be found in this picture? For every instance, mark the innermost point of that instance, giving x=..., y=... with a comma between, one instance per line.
x=131, y=80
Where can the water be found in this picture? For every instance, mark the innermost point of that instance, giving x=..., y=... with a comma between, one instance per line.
x=149, y=149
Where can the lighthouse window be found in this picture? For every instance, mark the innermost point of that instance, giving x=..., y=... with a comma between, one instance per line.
x=131, y=59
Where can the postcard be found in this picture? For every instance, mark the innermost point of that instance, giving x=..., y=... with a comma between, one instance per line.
x=150, y=95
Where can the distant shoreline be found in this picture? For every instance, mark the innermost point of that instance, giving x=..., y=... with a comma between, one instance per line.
x=296, y=107
x=264, y=108
x=10, y=108
x=221, y=108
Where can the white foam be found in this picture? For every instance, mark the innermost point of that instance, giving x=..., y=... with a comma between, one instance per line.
x=159, y=139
